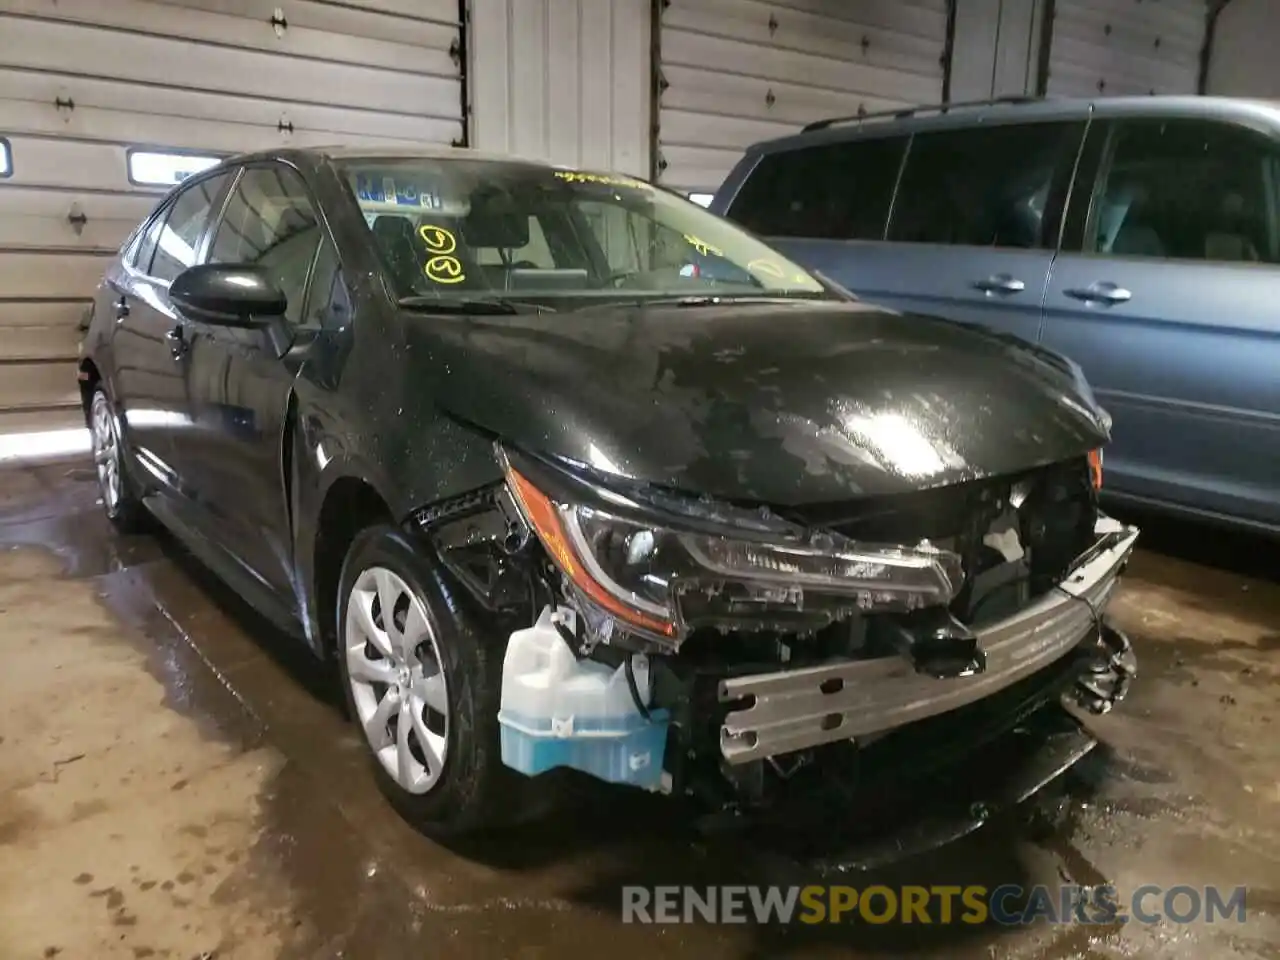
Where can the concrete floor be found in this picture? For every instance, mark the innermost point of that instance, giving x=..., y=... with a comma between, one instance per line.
x=176, y=781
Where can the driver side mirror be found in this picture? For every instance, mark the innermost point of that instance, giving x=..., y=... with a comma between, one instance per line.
x=228, y=295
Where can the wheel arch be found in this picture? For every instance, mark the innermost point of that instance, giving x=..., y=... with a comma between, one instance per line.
x=350, y=503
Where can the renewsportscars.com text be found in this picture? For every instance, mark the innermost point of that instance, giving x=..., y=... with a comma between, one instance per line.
x=1007, y=905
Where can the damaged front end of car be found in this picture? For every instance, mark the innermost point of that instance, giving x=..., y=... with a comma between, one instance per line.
x=731, y=652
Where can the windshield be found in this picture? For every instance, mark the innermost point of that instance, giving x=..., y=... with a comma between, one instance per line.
x=467, y=228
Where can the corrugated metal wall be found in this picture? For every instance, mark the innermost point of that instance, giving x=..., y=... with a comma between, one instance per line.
x=1242, y=60
x=996, y=51
x=1115, y=47
x=82, y=81
x=562, y=80
x=733, y=72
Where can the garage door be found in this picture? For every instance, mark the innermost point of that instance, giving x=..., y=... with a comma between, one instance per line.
x=733, y=72
x=1116, y=47
x=105, y=102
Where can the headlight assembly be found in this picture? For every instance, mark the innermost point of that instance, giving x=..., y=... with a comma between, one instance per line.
x=641, y=571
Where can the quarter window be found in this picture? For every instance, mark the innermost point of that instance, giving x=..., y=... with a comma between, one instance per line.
x=986, y=187
x=834, y=191
x=270, y=222
x=1190, y=190
x=177, y=234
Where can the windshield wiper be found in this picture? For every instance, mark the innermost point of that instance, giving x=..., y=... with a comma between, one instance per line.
x=472, y=306
x=717, y=300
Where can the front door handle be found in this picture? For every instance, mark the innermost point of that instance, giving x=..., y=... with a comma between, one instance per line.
x=1102, y=292
x=1001, y=283
x=122, y=308
x=177, y=342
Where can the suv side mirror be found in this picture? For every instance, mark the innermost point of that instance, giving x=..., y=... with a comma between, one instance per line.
x=228, y=295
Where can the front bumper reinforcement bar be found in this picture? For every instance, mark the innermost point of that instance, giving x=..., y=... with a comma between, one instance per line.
x=798, y=709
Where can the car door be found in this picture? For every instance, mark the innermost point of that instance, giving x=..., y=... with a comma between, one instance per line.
x=975, y=223
x=965, y=229
x=238, y=385
x=1167, y=299
x=147, y=371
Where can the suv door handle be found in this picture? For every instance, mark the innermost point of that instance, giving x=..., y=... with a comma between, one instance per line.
x=1102, y=292
x=1000, y=283
x=177, y=341
x=122, y=308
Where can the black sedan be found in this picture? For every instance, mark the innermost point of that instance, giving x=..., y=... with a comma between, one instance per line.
x=564, y=471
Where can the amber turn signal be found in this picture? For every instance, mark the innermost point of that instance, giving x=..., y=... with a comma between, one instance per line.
x=1095, y=468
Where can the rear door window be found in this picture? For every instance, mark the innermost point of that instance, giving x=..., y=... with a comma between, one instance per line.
x=143, y=247
x=986, y=187
x=1188, y=190
x=179, y=232
x=832, y=191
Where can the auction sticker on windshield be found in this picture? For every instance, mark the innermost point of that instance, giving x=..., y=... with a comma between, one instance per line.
x=385, y=189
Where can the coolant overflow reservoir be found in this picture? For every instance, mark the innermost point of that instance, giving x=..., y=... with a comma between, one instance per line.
x=559, y=711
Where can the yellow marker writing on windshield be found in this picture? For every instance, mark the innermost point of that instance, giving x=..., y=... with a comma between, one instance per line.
x=702, y=246
x=437, y=239
x=767, y=267
x=575, y=176
x=443, y=268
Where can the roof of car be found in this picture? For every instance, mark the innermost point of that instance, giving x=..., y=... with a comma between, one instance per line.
x=1263, y=113
x=413, y=152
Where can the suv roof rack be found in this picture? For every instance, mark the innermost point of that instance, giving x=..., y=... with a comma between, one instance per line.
x=903, y=112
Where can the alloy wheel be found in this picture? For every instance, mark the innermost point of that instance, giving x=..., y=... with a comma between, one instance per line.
x=397, y=679
x=105, y=439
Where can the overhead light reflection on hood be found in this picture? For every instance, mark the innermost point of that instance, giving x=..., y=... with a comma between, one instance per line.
x=898, y=444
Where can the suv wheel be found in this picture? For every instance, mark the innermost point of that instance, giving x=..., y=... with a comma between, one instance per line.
x=422, y=685
x=110, y=460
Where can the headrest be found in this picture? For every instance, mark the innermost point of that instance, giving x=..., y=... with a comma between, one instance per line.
x=495, y=223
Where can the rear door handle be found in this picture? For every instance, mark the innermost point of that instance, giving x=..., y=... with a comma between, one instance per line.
x=1102, y=292
x=177, y=340
x=1000, y=283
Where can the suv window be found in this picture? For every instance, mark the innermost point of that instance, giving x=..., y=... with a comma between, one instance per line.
x=834, y=191
x=177, y=233
x=269, y=221
x=986, y=187
x=1188, y=189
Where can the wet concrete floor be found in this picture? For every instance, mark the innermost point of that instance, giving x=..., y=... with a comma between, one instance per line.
x=177, y=781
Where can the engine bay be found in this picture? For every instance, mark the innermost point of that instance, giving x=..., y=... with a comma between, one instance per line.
x=767, y=665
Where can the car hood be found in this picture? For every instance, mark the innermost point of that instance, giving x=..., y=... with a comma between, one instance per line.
x=783, y=403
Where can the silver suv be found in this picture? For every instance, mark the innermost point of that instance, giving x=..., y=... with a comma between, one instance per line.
x=1139, y=236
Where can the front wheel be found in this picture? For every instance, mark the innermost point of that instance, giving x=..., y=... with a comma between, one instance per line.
x=422, y=684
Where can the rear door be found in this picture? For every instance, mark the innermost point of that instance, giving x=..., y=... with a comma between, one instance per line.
x=975, y=223
x=148, y=376
x=1168, y=295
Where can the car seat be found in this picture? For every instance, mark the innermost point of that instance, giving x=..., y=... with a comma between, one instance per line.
x=1224, y=241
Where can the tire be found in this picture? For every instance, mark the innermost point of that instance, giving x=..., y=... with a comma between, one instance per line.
x=120, y=500
x=459, y=785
